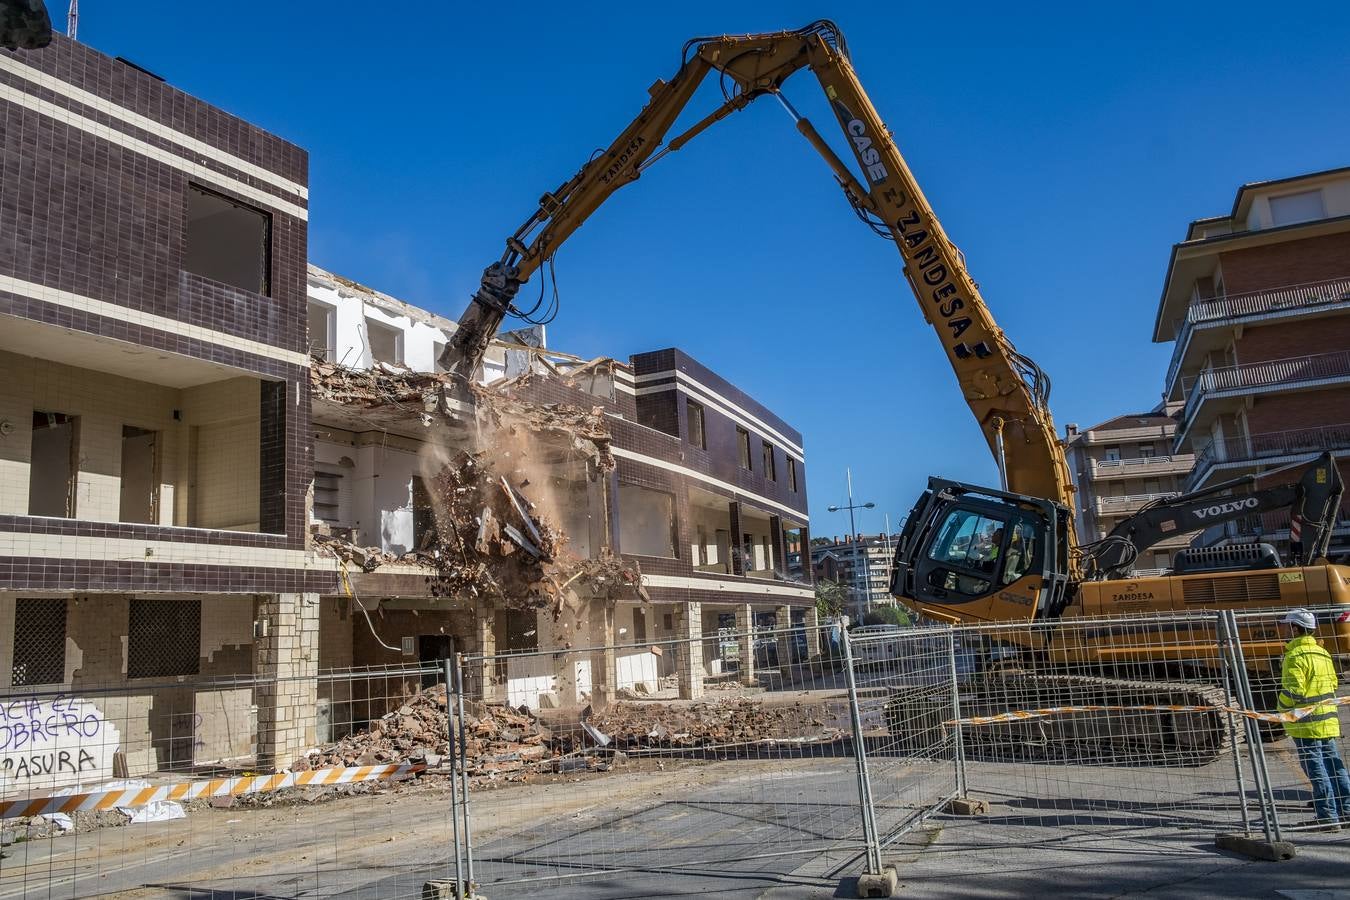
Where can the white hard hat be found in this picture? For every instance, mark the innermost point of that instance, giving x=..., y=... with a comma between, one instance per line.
x=1301, y=618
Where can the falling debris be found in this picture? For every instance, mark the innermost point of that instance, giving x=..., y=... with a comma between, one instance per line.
x=491, y=541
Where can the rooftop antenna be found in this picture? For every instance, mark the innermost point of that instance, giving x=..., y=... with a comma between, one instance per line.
x=73, y=19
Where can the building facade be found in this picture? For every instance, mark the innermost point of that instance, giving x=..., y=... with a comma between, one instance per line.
x=864, y=566
x=154, y=402
x=1257, y=305
x=1119, y=467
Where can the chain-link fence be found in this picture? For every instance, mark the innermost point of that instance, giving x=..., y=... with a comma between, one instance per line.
x=763, y=754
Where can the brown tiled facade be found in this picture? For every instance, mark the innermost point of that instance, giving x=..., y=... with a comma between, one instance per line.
x=97, y=162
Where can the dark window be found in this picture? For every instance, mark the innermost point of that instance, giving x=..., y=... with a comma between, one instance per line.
x=697, y=436
x=52, y=465
x=647, y=524
x=1146, y=451
x=164, y=638
x=639, y=626
x=228, y=241
x=770, y=468
x=743, y=442
x=39, y=642
x=792, y=474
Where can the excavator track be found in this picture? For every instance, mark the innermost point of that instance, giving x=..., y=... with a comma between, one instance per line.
x=1106, y=737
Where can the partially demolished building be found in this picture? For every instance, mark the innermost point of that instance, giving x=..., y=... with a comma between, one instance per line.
x=218, y=464
x=673, y=496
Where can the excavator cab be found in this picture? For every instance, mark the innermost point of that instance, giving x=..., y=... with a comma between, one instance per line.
x=971, y=553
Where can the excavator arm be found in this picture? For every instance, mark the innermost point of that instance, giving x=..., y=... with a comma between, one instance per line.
x=1006, y=391
x=1313, y=501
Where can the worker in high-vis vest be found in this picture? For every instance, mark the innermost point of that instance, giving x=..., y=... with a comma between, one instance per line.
x=1307, y=682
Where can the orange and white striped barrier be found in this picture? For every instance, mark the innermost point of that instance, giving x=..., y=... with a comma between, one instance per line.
x=1021, y=715
x=195, y=790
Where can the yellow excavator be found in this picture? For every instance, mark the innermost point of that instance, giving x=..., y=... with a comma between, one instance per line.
x=968, y=554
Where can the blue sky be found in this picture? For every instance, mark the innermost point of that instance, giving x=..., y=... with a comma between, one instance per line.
x=1064, y=150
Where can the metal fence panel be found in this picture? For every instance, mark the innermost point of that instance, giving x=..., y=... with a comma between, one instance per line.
x=730, y=753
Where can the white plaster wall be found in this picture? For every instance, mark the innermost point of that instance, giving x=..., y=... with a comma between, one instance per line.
x=377, y=491
x=352, y=344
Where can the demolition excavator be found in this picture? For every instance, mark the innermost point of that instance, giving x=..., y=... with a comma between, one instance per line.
x=968, y=554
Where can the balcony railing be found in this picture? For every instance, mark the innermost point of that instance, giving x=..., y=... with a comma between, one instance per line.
x=1231, y=306
x=1267, y=445
x=1265, y=374
x=1141, y=465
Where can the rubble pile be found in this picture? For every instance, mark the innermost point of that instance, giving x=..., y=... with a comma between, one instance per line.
x=499, y=742
x=741, y=720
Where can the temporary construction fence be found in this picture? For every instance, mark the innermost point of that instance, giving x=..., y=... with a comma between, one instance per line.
x=759, y=754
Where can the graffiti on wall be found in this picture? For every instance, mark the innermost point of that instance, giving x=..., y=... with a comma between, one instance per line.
x=49, y=742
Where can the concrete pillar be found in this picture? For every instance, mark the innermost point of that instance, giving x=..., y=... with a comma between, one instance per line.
x=689, y=651
x=604, y=662
x=739, y=564
x=812, y=632
x=286, y=660
x=745, y=635
x=485, y=638
x=783, y=643
x=779, y=547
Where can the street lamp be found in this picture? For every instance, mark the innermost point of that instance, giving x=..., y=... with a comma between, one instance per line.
x=853, y=530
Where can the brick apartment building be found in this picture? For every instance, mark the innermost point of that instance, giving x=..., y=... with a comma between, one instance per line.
x=1118, y=467
x=154, y=405
x=1257, y=303
x=708, y=493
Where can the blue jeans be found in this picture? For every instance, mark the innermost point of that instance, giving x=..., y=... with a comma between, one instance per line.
x=1330, y=782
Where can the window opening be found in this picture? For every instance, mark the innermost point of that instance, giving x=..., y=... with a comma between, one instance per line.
x=743, y=442
x=227, y=241
x=163, y=638
x=52, y=468
x=697, y=435
x=770, y=468
x=139, y=489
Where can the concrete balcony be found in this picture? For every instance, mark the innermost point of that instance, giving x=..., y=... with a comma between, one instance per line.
x=1216, y=314
x=1128, y=504
x=1242, y=455
x=1266, y=377
x=1140, y=433
x=1140, y=467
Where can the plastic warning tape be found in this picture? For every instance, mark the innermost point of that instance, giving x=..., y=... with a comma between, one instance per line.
x=194, y=790
x=1021, y=715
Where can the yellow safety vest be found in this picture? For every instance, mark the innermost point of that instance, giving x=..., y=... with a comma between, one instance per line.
x=1308, y=677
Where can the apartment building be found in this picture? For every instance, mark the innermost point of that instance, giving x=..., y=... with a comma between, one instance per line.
x=1121, y=465
x=707, y=494
x=154, y=405
x=864, y=566
x=1257, y=304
